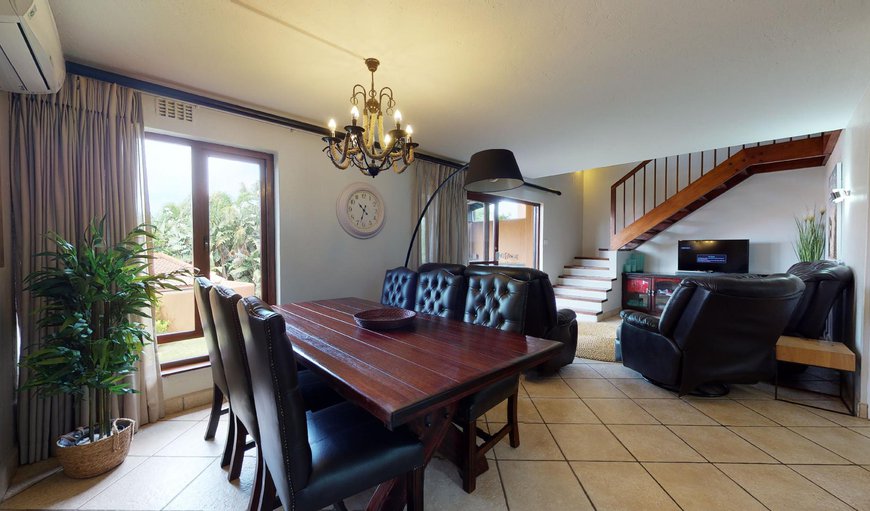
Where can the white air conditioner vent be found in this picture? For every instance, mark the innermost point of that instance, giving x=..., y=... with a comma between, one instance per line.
x=172, y=109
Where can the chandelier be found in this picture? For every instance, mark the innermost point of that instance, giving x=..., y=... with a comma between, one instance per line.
x=368, y=147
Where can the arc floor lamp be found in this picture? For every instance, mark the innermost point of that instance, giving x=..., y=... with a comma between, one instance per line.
x=492, y=170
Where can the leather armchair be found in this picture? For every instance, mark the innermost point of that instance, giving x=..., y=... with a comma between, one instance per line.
x=827, y=285
x=201, y=288
x=714, y=330
x=495, y=301
x=400, y=288
x=440, y=293
x=312, y=462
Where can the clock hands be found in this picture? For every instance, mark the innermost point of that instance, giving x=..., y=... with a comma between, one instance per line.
x=365, y=213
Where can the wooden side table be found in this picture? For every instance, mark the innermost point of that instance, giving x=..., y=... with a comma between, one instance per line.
x=818, y=353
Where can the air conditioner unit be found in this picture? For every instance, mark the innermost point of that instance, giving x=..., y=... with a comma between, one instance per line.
x=32, y=60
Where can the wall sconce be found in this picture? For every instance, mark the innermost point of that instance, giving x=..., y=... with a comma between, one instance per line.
x=839, y=194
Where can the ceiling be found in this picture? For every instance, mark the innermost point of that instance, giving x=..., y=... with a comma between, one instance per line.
x=567, y=85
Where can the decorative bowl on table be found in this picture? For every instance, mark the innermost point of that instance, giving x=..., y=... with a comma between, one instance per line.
x=387, y=318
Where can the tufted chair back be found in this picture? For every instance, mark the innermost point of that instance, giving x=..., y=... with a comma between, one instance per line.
x=440, y=293
x=456, y=269
x=496, y=301
x=827, y=282
x=400, y=288
x=540, y=315
x=201, y=289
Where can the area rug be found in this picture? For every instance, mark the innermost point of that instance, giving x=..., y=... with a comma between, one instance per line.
x=598, y=340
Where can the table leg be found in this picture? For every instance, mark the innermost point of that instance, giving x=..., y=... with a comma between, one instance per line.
x=431, y=429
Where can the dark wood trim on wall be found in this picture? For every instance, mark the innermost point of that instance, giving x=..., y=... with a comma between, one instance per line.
x=217, y=104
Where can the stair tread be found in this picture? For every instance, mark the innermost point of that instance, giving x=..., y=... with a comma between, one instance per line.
x=588, y=313
x=579, y=288
x=581, y=299
x=592, y=258
x=581, y=267
x=587, y=277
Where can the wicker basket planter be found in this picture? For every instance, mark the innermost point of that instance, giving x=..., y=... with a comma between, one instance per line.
x=93, y=459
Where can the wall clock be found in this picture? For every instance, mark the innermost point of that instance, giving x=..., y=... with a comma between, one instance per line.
x=361, y=211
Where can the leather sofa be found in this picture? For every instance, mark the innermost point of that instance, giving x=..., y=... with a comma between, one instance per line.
x=714, y=330
x=828, y=286
x=541, y=319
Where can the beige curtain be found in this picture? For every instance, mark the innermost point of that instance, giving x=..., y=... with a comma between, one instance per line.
x=443, y=236
x=75, y=155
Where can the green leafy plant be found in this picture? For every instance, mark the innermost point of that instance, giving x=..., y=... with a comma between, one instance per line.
x=94, y=296
x=810, y=245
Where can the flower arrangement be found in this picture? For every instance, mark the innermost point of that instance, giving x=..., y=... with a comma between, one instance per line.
x=810, y=245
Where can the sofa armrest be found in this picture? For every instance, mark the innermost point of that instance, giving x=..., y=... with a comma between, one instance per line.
x=564, y=317
x=565, y=331
x=640, y=320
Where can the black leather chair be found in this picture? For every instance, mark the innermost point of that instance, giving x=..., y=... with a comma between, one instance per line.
x=234, y=355
x=201, y=288
x=714, y=331
x=493, y=301
x=828, y=285
x=440, y=293
x=400, y=288
x=334, y=453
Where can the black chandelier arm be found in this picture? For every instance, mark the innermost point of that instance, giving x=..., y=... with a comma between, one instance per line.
x=426, y=208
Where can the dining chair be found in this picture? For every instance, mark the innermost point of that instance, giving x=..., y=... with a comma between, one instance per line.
x=202, y=286
x=400, y=285
x=494, y=301
x=440, y=293
x=315, y=461
x=232, y=349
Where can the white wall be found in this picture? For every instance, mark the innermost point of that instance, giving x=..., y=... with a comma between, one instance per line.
x=853, y=150
x=762, y=209
x=315, y=257
x=560, y=218
x=8, y=342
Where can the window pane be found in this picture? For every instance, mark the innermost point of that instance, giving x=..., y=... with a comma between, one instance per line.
x=516, y=234
x=169, y=172
x=476, y=231
x=182, y=350
x=235, y=224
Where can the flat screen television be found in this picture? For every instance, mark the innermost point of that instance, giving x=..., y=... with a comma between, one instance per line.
x=720, y=256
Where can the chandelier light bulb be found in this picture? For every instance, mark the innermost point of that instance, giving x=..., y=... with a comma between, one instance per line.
x=354, y=112
x=332, y=126
x=397, y=117
x=387, y=139
x=409, y=130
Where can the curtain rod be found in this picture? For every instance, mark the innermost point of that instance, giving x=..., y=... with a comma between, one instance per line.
x=216, y=104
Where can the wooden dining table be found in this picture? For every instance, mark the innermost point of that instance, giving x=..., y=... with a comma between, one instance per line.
x=410, y=377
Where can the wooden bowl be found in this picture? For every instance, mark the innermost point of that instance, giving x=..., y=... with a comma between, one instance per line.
x=387, y=318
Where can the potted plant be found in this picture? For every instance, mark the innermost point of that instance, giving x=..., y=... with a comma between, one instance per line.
x=810, y=245
x=94, y=298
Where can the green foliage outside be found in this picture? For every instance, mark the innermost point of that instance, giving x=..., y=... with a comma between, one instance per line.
x=234, y=226
x=94, y=295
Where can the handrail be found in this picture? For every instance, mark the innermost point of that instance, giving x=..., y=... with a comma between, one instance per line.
x=675, y=175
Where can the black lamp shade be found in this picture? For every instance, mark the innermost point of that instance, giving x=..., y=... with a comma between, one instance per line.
x=493, y=170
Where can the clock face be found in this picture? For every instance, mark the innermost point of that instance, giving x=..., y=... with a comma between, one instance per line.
x=360, y=210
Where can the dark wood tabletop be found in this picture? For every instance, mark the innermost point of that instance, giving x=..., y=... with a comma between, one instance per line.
x=400, y=375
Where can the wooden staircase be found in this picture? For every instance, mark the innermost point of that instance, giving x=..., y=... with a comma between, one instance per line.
x=651, y=197
x=589, y=286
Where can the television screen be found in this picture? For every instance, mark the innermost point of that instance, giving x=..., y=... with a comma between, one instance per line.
x=720, y=256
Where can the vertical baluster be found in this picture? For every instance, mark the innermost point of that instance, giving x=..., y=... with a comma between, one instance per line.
x=643, y=212
x=702, y=163
x=715, y=158
x=634, y=197
x=678, y=174
x=666, y=179
x=624, y=219
x=612, y=211
x=655, y=182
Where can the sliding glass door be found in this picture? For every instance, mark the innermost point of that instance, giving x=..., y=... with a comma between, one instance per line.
x=503, y=231
x=212, y=207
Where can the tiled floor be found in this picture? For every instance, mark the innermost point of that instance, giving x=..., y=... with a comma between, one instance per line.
x=595, y=437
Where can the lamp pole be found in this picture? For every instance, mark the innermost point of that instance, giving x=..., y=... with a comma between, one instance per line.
x=426, y=207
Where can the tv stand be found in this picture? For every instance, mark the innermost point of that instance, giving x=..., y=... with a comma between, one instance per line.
x=649, y=292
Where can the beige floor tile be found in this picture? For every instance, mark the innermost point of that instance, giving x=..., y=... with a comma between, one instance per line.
x=759, y=391
x=849, y=421
x=151, y=485
x=654, y=443
x=641, y=389
x=619, y=411
x=443, y=489
x=152, y=437
x=550, y=387
x=728, y=412
x=782, y=489
x=863, y=431
x=845, y=442
x=787, y=446
x=719, y=445
x=621, y=486
x=536, y=443
x=700, y=486
x=194, y=414
x=589, y=387
x=589, y=442
x=616, y=371
x=675, y=411
x=849, y=484
x=192, y=442
x=578, y=371
x=61, y=492
x=211, y=490
x=526, y=412
x=786, y=414
x=561, y=411
x=533, y=485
